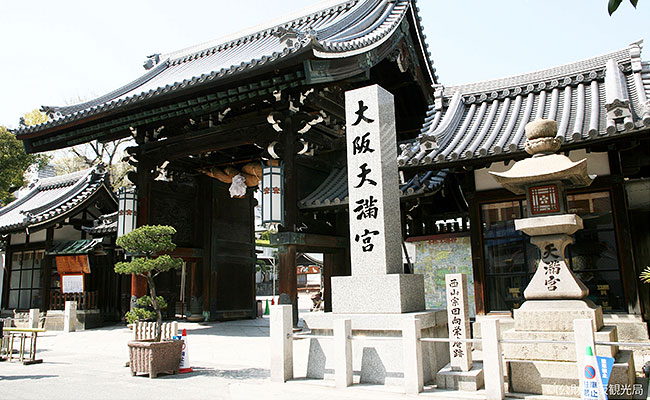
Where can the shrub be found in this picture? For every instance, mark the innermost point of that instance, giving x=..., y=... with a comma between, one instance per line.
x=144, y=243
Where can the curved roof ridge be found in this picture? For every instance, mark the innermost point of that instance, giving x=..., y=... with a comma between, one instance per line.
x=55, y=111
x=43, y=184
x=52, y=198
x=63, y=180
x=576, y=67
x=265, y=27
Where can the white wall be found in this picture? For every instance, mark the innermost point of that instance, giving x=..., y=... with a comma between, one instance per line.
x=66, y=232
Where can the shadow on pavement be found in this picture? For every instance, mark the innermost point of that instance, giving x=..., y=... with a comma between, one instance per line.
x=237, y=374
x=30, y=377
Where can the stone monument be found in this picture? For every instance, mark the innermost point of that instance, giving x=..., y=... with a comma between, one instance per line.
x=461, y=373
x=378, y=296
x=554, y=296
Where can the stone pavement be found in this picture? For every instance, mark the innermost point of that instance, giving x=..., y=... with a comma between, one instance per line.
x=231, y=361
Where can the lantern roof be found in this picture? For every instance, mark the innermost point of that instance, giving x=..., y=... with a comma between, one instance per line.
x=51, y=200
x=548, y=168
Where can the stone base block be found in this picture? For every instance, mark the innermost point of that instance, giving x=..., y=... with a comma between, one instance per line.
x=554, y=351
x=375, y=361
x=558, y=378
x=556, y=315
x=392, y=293
x=86, y=319
x=471, y=380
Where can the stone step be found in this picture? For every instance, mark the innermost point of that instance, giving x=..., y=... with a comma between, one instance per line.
x=556, y=315
x=468, y=381
x=554, y=351
x=560, y=378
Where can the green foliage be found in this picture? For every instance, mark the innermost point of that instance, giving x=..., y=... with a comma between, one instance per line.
x=613, y=5
x=645, y=275
x=145, y=301
x=144, y=309
x=14, y=162
x=261, y=266
x=144, y=265
x=35, y=117
x=148, y=240
x=266, y=235
x=139, y=314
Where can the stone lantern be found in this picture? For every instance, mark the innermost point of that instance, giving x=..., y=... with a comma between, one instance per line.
x=544, y=179
x=555, y=297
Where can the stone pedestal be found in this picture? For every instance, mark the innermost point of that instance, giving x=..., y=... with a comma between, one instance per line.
x=376, y=361
x=550, y=368
x=472, y=380
x=390, y=293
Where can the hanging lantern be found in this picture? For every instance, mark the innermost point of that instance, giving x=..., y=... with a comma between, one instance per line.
x=127, y=210
x=273, y=193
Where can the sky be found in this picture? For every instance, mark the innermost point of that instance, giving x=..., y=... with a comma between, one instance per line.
x=58, y=53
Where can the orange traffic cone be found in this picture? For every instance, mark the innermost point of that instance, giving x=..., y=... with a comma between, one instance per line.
x=185, y=359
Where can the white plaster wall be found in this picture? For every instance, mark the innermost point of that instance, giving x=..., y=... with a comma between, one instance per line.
x=38, y=236
x=597, y=164
x=18, y=238
x=66, y=232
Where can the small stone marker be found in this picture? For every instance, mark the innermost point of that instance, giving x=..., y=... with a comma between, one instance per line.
x=460, y=353
x=33, y=317
x=70, y=316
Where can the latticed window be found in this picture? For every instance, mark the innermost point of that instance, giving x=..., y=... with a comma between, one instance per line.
x=510, y=259
x=25, y=280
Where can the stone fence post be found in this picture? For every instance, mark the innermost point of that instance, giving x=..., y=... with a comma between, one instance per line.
x=492, y=359
x=413, y=369
x=281, y=343
x=34, y=313
x=70, y=316
x=343, y=352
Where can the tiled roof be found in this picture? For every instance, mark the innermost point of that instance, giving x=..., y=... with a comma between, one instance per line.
x=51, y=198
x=69, y=247
x=333, y=191
x=105, y=224
x=601, y=97
x=339, y=29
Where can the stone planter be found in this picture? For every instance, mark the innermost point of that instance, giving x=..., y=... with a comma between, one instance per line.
x=149, y=357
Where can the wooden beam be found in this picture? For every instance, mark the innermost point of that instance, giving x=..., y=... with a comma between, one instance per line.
x=247, y=131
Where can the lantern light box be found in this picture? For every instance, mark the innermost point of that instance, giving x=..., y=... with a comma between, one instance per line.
x=272, y=194
x=127, y=210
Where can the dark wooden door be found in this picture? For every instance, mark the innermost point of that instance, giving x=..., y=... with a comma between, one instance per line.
x=232, y=255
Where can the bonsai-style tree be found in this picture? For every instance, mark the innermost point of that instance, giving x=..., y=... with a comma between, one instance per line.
x=144, y=243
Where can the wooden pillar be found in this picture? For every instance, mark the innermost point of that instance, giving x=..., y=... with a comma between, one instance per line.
x=139, y=283
x=478, y=266
x=4, y=301
x=46, y=278
x=629, y=277
x=290, y=176
x=288, y=281
x=334, y=264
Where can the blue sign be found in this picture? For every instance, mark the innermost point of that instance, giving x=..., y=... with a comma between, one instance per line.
x=605, y=365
